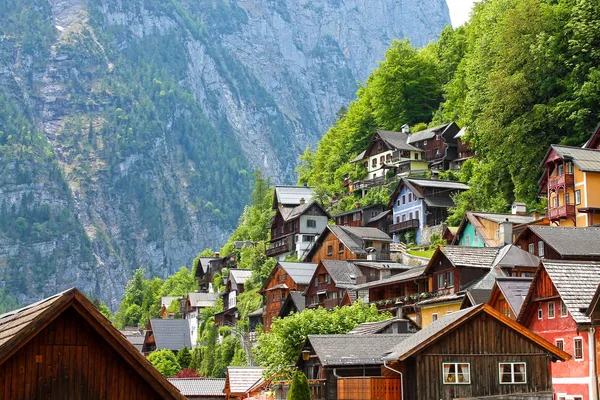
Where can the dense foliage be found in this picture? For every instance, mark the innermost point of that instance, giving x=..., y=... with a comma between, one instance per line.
x=521, y=75
x=279, y=349
x=165, y=362
x=299, y=389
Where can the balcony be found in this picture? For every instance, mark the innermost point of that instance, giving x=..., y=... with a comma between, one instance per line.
x=328, y=304
x=564, y=180
x=564, y=211
x=273, y=251
x=403, y=226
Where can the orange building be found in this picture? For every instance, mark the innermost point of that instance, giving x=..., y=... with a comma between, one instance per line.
x=571, y=182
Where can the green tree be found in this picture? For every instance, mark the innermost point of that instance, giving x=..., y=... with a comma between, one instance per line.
x=299, y=389
x=179, y=284
x=184, y=357
x=165, y=362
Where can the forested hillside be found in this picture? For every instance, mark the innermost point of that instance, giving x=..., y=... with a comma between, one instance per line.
x=520, y=75
x=129, y=129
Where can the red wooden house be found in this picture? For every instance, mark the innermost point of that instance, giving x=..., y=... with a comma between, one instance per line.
x=63, y=348
x=350, y=243
x=329, y=285
x=561, y=243
x=439, y=144
x=555, y=309
x=508, y=295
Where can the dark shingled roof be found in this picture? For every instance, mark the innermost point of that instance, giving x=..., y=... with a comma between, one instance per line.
x=172, y=334
x=342, y=273
x=374, y=328
x=397, y=140
x=427, y=133
x=514, y=291
x=297, y=300
x=439, y=184
x=200, y=387
x=354, y=237
x=300, y=272
x=354, y=349
x=587, y=160
x=411, y=274
x=439, y=202
x=570, y=241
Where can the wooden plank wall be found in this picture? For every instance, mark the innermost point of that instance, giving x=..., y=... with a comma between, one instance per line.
x=68, y=360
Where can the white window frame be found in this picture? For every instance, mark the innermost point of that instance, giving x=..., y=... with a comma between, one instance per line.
x=512, y=373
x=540, y=248
x=563, y=307
x=456, y=373
x=574, y=349
x=561, y=396
x=560, y=340
x=531, y=248
x=578, y=197
x=551, y=310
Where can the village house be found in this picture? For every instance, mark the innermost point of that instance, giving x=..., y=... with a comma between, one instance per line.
x=393, y=325
x=439, y=145
x=285, y=278
x=465, y=150
x=202, y=273
x=350, y=243
x=561, y=243
x=508, y=295
x=216, y=266
x=172, y=302
x=243, y=382
x=420, y=204
x=571, y=182
x=374, y=216
x=329, y=285
x=200, y=388
x=63, y=348
x=169, y=334
x=135, y=336
x=194, y=303
x=481, y=229
x=458, y=271
x=555, y=309
x=443, y=361
x=298, y=221
x=295, y=302
x=234, y=286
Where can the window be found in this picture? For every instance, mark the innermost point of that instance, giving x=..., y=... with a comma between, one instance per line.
x=434, y=317
x=397, y=219
x=456, y=373
x=410, y=216
x=577, y=397
x=416, y=156
x=532, y=248
x=450, y=279
x=555, y=202
x=561, y=169
x=329, y=250
x=409, y=197
x=512, y=373
x=578, y=346
x=569, y=168
x=551, y=309
x=563, y=309
x=374, y=162
x=398, y=203
x=578, y=197
x=403, y=199
x=440, y=281
x=417, y=214
x=560, y=343
x=403, y=217
x=497, y=234
x=340, y=247
x=567, y=198
x=540, y=249
x=437, y=137
x=540, y=313
x=308, y=238
x=311, y=223
x=437, y=152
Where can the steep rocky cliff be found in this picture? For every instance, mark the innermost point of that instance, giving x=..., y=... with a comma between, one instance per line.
x=129, y=128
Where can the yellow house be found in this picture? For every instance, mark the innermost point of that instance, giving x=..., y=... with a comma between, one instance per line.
x=571, y=182
x=437, y=307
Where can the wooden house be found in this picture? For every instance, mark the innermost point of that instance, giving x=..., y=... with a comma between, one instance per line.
x=216, y=266
x=418, y=204
x=243, y=382
x=200, y=388
x=571, y=182
x=329, y=285
x=508, y=295
x=295, y=302
x=284, y=278
x=298, y=221
x=439, y=145
x=166, y=302
x=350, y=243
x=479, y=229
x=234, y=286
x=374, y=216
x=202, y=273
x=350, y=366
x=465, y=149
x=555, y=309
x=167, y=334
x=63, y=348
x=475, y=353
x=561, y=243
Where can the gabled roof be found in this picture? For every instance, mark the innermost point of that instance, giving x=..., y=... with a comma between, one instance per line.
x=166, y=301
x=576, y=283
x=514, y=291
x=461, y=133
x=594, y=140
x=18, y=327
x=359, y=157
x=375, y=328
x=239, y=276
x=515, y=219
x=382, y=265
x=512, y=256
x=411, y=274
x=567, y=241
x=172, y=334
x=465, y=256
x=437, y=329
x=427, y=134
x=295, y=299
x=291, y=213
x=397, y=140
x=243, y=379
x=439, y=184
x=473, y=218
x=379, y=216
x=352, y=237
x=300, y=272
x=448, y=187
x=200, y=387
x=291, y=195
x=587, y=160
x=203, y=265
x=335, y=350
x=355, y=210
x=342, y=273
x=202, y=299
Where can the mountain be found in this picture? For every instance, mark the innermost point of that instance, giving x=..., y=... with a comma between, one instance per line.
x=129, y=129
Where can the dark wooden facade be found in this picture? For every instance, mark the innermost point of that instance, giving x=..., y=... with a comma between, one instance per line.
x=323, y=292
x=70, y=351
x=441, y=148
x=359, y=216
x=528, y=237
x=329, y=247
x=275, y=291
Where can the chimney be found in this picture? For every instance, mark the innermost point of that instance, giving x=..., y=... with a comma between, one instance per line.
x=217, y=254
x=405, y=129
x=399, y=310
x=506, y=232
x=519, y=208
x=302, y=201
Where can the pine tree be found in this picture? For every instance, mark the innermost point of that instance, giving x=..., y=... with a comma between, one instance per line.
x=184, y=357
x=299, y=389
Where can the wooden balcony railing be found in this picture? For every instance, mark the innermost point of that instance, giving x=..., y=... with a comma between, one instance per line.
x=403, y=226
x=564, y=211
x=273, y=251
x=369, y=388
x=331, y=303
x=564, y=180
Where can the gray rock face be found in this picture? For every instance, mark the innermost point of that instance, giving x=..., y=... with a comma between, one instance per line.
x=270, y=74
